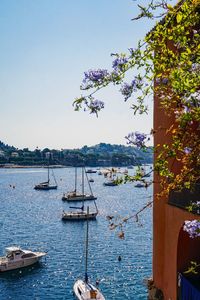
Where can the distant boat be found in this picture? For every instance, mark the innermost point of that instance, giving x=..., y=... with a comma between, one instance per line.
x=46, y=185
x=110, y=179
x=74, y=195
x=90, y=171
x=139, y=185
x=17, y=258
x=111, y=182
x=83, y=289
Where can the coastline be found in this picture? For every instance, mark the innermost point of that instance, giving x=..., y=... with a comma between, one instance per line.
x=12, y=166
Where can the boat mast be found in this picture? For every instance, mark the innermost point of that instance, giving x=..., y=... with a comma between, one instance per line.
x=88, y=182
x=75, y=179
x=86, y=247
x=48, y=167
x=83, y=188
x=83, y=180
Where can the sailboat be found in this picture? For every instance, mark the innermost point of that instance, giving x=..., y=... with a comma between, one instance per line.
x=74, y=196
x=79, y=215
x=83, y=289
x=46, y=185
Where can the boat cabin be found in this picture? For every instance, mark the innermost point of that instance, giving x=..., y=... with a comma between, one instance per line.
x=15, y=253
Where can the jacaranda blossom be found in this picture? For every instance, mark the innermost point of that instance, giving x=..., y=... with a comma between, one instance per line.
x=95, y=106
x=192, y=228
x=94, y=77
x=127, y=89
x=119, y=62
x=187, y=150
x=137, y=139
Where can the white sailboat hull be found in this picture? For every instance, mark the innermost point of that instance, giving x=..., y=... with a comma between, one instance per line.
x=79, y=216
x=68, y=197
x=86, y=291
x=45, y=187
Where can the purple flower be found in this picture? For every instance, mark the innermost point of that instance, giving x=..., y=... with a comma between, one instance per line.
x=131, y=50
x=119, y=62
x=192, y=228
x=186, y=109
x=127, y=89
x=187, y=150
x=95, y=106
x=137, y=139
x=162, y=80
x=94, y=77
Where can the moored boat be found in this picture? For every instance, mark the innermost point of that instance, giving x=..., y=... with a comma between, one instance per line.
x=86, y=291
x=83, y=289
x=78, y=215
x=16, y=258
x=91, y=171
x=74, y=195
x=45, y=186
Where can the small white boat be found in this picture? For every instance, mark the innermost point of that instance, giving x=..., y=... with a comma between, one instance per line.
x=78, y=215
x=86, y=291
x=83, y=289
x=16, y=258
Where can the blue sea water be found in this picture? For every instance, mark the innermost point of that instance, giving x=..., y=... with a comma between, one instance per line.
x=32, y=220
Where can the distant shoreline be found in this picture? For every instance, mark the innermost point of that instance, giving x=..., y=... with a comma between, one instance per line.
x=32, y=166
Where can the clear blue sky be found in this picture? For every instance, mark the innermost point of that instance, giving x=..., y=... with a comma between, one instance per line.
x=46, y=45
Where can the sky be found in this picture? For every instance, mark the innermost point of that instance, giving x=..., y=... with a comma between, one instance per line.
x=46, y=45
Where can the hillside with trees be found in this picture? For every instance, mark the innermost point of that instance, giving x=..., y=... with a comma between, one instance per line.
x=99, y=155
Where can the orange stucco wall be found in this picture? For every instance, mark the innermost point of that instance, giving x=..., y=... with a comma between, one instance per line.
x=167, y=221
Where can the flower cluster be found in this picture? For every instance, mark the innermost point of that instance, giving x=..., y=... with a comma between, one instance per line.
x=192, y=228
x=127, y=89
x=95, y=106
x=94, y=77
x=137, y=139
x=119, y=62
x=162, y=81
x=132, y=51
x=187, y=150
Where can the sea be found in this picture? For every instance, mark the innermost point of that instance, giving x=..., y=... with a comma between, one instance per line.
x=32, y=220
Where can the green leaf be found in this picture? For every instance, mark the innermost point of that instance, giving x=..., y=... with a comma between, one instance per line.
x=179, y=17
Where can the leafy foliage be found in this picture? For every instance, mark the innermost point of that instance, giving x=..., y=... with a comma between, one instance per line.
x=167, y=64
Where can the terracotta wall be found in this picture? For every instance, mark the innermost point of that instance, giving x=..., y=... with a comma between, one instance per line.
x=167, y=223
